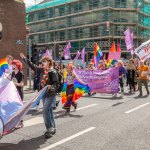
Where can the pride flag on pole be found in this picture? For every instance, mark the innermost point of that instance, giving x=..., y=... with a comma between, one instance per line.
x=83, y=55
x=97, y=54
x=3, y=66
x=129, y=37
x=67, y=51
x=77, y=56
x=112, y=50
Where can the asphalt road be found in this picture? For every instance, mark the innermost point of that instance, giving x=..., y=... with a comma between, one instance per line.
x=100, y=123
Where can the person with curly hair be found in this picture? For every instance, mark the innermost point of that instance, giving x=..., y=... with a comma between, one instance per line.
x=18, y=77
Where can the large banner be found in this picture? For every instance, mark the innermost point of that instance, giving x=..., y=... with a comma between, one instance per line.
x=106, y=81
x=143, y=51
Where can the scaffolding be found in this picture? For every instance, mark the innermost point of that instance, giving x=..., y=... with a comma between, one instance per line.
x=86, y=21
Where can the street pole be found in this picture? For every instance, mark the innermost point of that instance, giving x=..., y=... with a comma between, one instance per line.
x=30, y=78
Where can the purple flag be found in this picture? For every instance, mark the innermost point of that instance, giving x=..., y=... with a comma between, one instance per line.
x=77, y=56
x=67, y=51
x=129, y=40
x=83, y=55
x=47, y=54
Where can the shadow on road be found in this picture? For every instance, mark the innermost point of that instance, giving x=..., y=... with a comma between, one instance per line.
x=117, y=104
x=31, y=144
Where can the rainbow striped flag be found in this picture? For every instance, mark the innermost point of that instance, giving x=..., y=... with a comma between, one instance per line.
x=3, y=66
x=97, y=54
x=80, y=89
x=63, y=93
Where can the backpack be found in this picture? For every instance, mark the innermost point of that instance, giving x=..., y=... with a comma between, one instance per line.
x=59, y=81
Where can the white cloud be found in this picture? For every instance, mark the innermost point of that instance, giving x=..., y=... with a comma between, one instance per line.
x=32, y=2
x=29, y=2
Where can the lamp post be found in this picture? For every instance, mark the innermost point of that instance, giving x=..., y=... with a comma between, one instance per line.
x=30, y=51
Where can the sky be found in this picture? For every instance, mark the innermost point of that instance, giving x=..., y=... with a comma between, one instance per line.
x=32, y=2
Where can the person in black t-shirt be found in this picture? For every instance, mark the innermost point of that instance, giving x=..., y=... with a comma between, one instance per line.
x=18, y=77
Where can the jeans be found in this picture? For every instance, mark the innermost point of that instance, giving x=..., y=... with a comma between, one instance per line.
x=48, y=104
x=121, y=82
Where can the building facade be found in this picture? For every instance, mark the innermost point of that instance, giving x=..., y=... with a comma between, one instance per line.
x=13, y=32
x=83, y=22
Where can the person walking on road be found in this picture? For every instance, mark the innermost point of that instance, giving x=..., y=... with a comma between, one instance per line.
x=143, y=77
x=49, y=78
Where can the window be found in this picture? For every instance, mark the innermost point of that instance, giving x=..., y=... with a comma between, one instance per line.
x=30, y=17
x=121, y=4
x=41, y=38
x=50, y=13
x=41, y=15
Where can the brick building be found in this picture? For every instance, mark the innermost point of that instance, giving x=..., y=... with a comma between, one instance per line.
x=12, y=18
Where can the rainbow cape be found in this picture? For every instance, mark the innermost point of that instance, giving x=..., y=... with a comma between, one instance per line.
x=80, y=89
x=3, y=66
x=97, y=54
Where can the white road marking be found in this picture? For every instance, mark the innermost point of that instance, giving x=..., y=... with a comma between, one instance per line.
x=127, y=112
x=39, y=120
x=88, y=106
x=68, y=139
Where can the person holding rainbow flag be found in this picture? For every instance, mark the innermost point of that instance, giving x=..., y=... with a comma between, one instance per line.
x=69, y=81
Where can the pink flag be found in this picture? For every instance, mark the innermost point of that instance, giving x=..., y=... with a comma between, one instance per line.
x=67, y=51
x=47, y=54
x=129, y=40
x=118, y=48
x=77, y=56
x=83, y=55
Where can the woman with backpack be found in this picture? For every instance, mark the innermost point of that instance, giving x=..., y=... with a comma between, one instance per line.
x=49, y=78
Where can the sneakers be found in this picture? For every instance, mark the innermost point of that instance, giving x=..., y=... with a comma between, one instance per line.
x=114, y=95
x=48, y=135
x=140, y=95
x=50, y=132
x=121, y=95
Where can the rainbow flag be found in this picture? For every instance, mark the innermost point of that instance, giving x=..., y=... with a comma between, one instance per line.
x=109, y=61
x=63, y=93
x=80, y=89
x=3, y=66
x=97, y=54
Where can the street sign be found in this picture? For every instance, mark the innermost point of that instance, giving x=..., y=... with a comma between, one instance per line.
x=20, y=42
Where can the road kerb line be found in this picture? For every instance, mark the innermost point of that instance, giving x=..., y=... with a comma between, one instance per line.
x=127, y=112
x=68, y=139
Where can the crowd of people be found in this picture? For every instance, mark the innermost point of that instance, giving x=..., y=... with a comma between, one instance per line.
x=134, y=74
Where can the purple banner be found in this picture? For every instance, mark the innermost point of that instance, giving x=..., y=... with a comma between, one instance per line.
x=106, y=81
